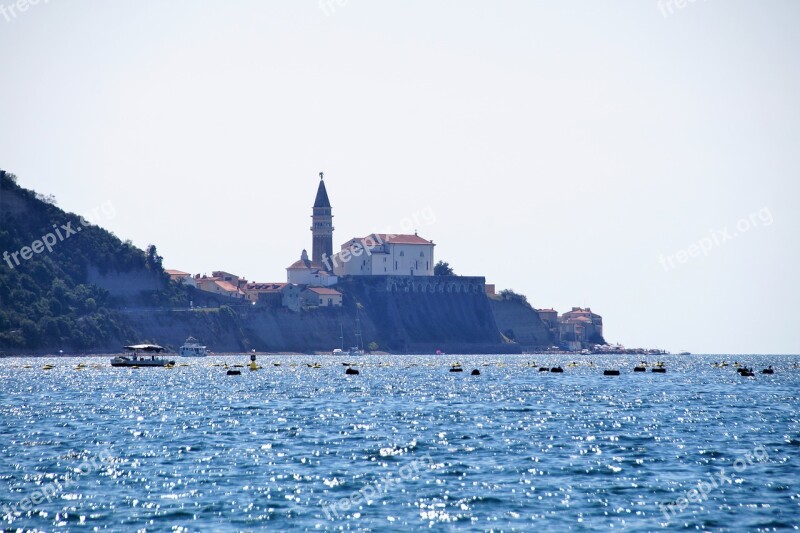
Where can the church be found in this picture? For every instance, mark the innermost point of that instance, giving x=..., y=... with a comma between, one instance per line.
x=377, y=254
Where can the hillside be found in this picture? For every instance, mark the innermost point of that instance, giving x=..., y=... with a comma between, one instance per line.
x=62, y=278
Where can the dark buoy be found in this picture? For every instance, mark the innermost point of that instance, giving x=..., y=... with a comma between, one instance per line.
x=611, y=372
x=456, y=369
x=747, y=374
x=640, y=369
x=556, y=369
x=351, y=372
x=544, y=369
x=659, y=370
x=476, y=372
x=768, y=371
x=234, y=372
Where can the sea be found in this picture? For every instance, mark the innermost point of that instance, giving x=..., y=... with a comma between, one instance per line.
x=406, y=444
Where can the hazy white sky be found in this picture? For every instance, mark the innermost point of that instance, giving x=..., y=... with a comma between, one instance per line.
x=572, y=151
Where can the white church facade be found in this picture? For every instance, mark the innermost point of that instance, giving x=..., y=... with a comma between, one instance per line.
x=380, y=254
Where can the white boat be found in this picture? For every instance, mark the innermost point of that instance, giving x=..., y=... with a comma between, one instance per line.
x=192, y=348
x=147, y=357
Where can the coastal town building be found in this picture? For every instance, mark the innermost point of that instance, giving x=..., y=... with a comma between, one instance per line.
x=549, y=317
x=217, y=285
x=181, y=277
x=580, y=328
x=321, y=297
x=379, y=254
x=274, y=294
x=308, y=272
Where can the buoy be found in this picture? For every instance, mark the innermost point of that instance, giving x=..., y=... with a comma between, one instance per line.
x=611, y=372
x=48, y=367
x=659, y=370
x=557, y=369
x=234, y=372
x=544, y=369
x=746, y=374
x=476, y=372
x=456, y=369
x=253, y=367
x=768, y=371
x=351, y=372
x=640, y=369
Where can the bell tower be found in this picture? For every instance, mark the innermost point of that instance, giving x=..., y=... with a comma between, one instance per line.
x=322, y=225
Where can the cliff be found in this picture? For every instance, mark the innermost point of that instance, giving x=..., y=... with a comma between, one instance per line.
x=398, y=314
x=518, y=322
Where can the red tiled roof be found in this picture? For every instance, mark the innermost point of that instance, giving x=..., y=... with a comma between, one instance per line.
x=377, y=239
x=577, y=319
x=227, y=286
x=324, y=292
x=176, y=272
x=265, y=286
x=401, y=239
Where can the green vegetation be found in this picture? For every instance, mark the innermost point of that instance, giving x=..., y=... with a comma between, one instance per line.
x=509, y=294
x=442, y=269
x=47, y=301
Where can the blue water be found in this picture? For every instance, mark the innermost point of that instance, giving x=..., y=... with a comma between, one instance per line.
x=414, y=445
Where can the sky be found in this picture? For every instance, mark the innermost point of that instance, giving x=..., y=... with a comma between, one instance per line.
x=635, y=156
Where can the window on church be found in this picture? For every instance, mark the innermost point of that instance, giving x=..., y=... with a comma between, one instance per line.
x=402, y=254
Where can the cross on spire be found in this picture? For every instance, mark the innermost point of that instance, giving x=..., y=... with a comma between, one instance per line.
x=322, y=175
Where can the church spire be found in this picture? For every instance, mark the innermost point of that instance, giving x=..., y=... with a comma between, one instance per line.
x=322, y=225
x=322, y=194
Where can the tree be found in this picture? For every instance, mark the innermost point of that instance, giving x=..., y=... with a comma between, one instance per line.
x=442, y=269
x=152, y=259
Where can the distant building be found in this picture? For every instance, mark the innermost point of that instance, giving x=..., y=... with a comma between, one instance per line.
x=321, y=224
x=380, y=254
x=321, y=297
x=181, y=277
x=490, y=289
x=307, y=272
x=274, y=294
x=580, y=328
x=230, y=278
x=217, y=286
x=549, y=317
